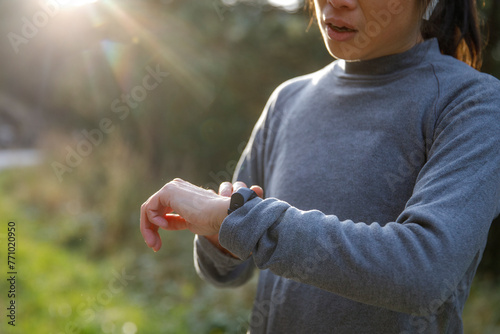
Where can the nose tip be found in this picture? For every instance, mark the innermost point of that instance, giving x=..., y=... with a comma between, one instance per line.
x=342, y=4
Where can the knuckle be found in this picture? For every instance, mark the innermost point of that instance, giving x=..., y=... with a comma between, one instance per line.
x=174, y=183
x=168, y=187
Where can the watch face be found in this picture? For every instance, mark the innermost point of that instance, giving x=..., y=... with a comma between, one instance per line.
x=239, y=198
x=237, y=201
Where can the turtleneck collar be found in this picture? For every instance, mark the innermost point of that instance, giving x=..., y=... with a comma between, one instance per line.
x=388, y=64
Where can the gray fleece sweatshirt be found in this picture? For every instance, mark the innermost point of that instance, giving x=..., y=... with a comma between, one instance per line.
x=381, y=180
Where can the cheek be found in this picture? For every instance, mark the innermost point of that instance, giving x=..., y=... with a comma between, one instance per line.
x=385, y=24
x=383, y=18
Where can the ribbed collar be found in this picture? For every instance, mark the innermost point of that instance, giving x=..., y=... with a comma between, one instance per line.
x=389, y=64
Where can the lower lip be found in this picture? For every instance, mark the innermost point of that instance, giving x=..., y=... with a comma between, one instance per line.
x=340, y=36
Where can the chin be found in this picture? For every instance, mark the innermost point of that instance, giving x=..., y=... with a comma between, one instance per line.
x=349, y=52
x=339, y=52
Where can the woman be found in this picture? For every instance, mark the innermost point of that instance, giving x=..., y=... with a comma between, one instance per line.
x=381, y=173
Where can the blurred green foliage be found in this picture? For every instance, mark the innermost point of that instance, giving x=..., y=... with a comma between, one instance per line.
x=79, y=225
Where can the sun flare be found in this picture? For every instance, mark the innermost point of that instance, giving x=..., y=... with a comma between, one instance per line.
x=75, y=3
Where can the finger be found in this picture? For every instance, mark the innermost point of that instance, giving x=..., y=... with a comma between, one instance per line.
x=175, y=222
x=258, y=190
x=154, y=230
x=225, y=189
x=238, y=184
x=149, y=231
x=151, y=236
x=156, y=211
x=152, y=213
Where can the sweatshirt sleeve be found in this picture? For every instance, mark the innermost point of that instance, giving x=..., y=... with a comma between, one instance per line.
x=217, y=268
x=408, y=265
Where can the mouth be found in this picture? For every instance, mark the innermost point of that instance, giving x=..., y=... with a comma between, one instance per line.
x=339, y=32
x=340, y=29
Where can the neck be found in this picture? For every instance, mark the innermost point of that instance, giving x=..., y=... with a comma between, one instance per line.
x=389, y=64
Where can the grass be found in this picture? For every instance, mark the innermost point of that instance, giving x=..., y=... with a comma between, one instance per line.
x=63, y=286
x=62, y=291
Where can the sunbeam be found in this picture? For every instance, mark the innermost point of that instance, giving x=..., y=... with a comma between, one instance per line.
x=191, y=80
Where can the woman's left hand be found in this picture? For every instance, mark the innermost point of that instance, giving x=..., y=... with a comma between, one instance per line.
x=196, y=209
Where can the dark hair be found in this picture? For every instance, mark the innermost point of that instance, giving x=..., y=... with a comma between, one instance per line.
x=455, y=24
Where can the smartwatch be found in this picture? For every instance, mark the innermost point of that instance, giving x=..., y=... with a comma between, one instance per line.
x=239, y=198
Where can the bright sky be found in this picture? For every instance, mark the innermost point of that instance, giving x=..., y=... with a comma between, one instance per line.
x=75, y=3
x=286, y=4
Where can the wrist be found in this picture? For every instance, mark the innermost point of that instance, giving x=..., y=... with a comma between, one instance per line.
x=221, y=210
